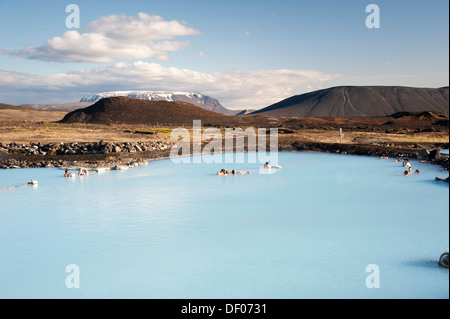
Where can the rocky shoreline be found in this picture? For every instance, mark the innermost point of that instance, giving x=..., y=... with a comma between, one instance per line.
x=414, y=151
x=86, y=155
x=82, y=148
x=109, y=155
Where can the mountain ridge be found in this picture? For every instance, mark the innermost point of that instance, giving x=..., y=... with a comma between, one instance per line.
x=360, y=101
x=125, y=110
x=195, y=98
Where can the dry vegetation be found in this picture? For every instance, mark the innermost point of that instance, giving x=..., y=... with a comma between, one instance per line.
x=353, y=137
x=30, y=115
x=27, y=132
x=56, y=133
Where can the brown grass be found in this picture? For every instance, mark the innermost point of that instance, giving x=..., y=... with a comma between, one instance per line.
x=30, y=115
x=56, y=133
x=26, y=132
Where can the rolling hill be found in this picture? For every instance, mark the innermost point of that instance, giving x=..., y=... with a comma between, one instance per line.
x=60, y=107
x=14, y=107
x=21, y=113
x=361, y=101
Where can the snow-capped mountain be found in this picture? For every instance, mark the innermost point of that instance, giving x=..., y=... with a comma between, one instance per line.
x=198, y=99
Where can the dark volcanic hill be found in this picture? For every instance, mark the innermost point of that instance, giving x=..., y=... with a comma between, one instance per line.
x=125, y=110
x=205, y=102
x=361, y=101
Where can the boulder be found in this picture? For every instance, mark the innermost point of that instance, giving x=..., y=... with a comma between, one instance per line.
x=443, y=260
x=133, y=164
x=423, y=154
x=440, y=179
x=120, y=168
x=435, y=155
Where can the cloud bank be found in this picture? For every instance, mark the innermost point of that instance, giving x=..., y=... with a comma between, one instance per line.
x=234, y=88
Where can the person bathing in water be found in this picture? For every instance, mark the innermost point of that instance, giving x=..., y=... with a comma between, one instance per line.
x=240, y=173
x=83, y=172
x=267, y=165
x=67, y=174
x=223, y=172
x=406, y=163
x=410, y=172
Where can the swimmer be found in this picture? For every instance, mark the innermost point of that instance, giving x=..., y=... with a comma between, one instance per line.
x=405, y=173
x=222, y=172
x=86, y=172
x=384, y=157
x=417, y=171
x=266, y=165
x=406, y=163
x=67, y=174
x=398, y=160
x=80, y=172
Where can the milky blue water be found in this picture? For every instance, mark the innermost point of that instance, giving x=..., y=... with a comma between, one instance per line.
x=178, y=231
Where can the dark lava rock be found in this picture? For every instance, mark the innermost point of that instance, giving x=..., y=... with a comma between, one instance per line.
x=443, y=260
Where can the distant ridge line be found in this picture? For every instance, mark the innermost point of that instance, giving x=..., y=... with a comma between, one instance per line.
x=361, y=101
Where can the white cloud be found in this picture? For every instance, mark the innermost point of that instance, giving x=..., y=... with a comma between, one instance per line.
x=113, y=38
x=201, y=53
x=235, y=88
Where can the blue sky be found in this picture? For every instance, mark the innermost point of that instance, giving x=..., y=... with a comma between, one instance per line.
x=246, y=53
